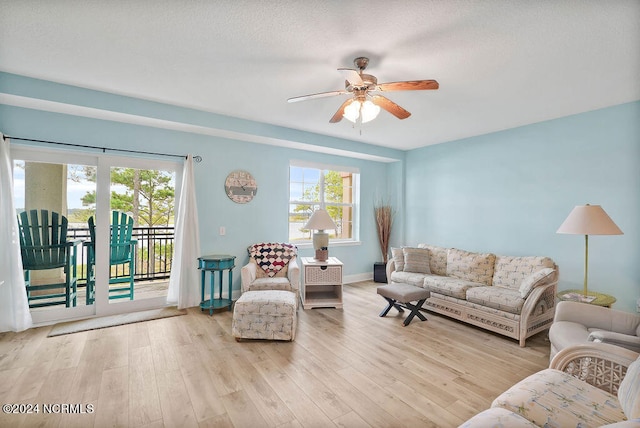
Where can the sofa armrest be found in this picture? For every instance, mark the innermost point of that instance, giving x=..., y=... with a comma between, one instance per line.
x=293, y=274
x=624, y=340
x=248, y=274
x=390, y=268
x=597, y=317
x=586, y=362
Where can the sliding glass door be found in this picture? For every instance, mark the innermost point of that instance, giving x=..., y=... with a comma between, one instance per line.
x=119, y=230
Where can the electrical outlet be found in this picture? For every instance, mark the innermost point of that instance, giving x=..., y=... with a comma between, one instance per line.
x=222, y=230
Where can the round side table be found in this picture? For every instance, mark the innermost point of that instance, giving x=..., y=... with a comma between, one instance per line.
x=593, y=298
x=216, y=263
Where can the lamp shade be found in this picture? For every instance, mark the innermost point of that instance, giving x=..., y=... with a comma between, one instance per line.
x=589, y=220
x=365, y=110
x=320, y=220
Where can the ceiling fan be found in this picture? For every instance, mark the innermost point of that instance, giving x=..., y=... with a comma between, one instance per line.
x=366, y=103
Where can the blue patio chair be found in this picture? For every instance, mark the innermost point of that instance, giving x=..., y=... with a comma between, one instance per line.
x=122, y=255
x=44, y=246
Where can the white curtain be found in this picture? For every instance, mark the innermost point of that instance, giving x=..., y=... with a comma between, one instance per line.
x=184, y=283
x=14, y=307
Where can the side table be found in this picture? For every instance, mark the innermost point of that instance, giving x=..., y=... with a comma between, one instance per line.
x=321, y=285
x=593, y=298
x=216, y=263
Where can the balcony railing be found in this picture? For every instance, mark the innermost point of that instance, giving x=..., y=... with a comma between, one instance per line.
x=153, y=253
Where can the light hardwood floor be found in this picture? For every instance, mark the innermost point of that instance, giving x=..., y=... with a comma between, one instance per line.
x=346, y=368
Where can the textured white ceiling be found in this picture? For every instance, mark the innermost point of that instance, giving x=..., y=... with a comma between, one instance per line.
x=500, y=63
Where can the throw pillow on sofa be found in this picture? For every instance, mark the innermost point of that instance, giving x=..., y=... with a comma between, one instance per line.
x=397, y=254
x=416, y=260
x=541, y=277
x=437, y=259
x=474, y=267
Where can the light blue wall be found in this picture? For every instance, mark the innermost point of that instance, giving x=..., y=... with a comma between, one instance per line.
x=505, y=192
x=265, y=218
x=508, y=192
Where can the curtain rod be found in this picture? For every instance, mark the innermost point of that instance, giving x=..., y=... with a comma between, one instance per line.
x=196, y=159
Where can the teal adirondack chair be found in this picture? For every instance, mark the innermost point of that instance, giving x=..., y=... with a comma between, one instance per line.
x=43, y=246
x=122, y=254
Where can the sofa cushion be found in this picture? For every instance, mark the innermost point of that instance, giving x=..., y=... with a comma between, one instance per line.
x=629, y=391
x=449, y=286
x=554, y=398
x=497, y=417
x=536, y=279
x=276, y=283
x=504, y=299
x=437, y=259
x=398, y=258
x=619, y=339
x=511, y=271
x=416, y=260
x=412, y=278
x=474, y=267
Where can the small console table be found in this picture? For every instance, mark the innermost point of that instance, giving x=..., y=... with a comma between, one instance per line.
x=216, y=263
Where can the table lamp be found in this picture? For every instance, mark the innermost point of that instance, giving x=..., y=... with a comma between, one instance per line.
x=588, y=220
x=320, y=221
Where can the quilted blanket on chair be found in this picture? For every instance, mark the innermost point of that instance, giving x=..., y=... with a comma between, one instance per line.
x=272, y=257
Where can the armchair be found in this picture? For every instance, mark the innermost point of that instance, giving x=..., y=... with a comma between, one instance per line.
x=272, y=266
x=579, y=323
x=269, y=302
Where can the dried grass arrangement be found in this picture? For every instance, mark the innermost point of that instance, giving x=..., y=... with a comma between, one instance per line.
x=384, y=220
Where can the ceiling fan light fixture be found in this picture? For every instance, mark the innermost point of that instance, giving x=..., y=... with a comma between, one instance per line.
x=352, y=111
x=369, y=111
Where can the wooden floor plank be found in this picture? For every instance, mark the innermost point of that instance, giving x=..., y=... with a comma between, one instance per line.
x=144, y=401
x=112, y=407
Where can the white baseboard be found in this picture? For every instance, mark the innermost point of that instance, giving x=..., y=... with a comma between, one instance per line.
x=348, y=279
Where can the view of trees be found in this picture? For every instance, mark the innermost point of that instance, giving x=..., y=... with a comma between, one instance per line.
x=333, y=189
x=148, y=195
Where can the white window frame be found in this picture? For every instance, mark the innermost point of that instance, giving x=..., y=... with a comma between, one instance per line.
x=355, y=205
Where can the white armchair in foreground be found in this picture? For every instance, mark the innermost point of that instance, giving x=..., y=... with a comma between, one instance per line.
x=579, y=323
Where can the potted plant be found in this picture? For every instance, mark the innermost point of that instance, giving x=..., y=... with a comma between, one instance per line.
x=383, y=212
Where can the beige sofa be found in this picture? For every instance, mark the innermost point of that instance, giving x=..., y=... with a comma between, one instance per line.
x=576, y=323
x=512, y=296
x=585, y=386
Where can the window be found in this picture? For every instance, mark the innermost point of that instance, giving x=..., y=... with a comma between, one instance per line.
x=313, y=186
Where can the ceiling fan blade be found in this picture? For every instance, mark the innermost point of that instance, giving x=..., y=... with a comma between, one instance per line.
x=390, y=106
x=313, y=96
x=352, y=76
x=337, y=117
x=410, y=85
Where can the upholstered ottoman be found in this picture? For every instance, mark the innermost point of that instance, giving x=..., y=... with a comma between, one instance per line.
x=400, y=296
x=265, y=314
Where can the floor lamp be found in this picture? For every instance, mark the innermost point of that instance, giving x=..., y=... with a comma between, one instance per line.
x=588, y=220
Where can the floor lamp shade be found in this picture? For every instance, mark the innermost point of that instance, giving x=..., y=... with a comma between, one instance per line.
x=588, y=220
x=320, y=221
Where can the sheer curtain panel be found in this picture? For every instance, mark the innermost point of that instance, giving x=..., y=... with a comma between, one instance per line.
x=184, y=283
x=14, y=308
